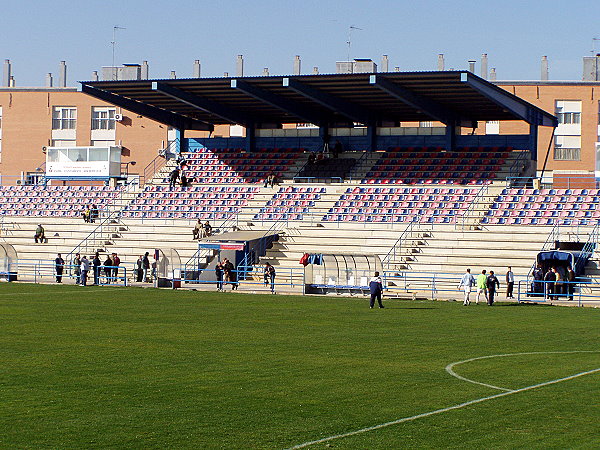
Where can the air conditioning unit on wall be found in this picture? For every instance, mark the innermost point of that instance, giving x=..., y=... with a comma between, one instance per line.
x=118, y=117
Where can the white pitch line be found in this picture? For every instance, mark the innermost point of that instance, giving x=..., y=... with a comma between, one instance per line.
x=442, y=410
x=449, y=367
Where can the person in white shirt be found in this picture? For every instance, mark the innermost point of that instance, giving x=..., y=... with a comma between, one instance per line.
x=467, y=282
x=510, y=282
x=85, y=268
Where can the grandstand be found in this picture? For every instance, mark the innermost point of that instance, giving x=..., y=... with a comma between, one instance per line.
x=420, y=204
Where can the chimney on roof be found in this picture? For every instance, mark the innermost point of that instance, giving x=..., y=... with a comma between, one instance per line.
x=95, y=76
x=544, y=68
x=226, y=74
x=196, y=73
x=6, y=73
x=11, y=82
x=441, y=62
x=472, y=65
x=239, y=66
x=145, y=70
x=315, y=70
x=62, y=74
x=493, y=74
x=48, y=80
x=297, y=65
x=484, y=66
x=385, y=63
x=265, y=72
x=173, y=75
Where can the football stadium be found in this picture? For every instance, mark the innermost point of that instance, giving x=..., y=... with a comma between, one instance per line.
x=188, y=262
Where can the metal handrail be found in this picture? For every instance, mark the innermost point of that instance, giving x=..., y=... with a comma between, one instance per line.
x=398, y=244
x=476, y=200
x=514, y=171
x=245, y=262
x=96, y=234
x=159, y=161
x=357, y=165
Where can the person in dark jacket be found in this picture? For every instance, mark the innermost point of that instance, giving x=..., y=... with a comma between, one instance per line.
x=550, y=279
x=538, y=278
x=139, y=269
x=60, y=265
x=146, y=267
x=219, y=275
x=96, y=263
x=108, y=269
x=492, y=283
x=376, y=288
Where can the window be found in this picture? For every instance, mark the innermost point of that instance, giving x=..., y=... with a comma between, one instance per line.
x=103, y=118
x=64, y=118
x=567, y=154
x=425, y=124
x=569, y=117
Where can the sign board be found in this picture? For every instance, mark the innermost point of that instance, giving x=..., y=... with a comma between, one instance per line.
x=223, y=245
x=83, y=162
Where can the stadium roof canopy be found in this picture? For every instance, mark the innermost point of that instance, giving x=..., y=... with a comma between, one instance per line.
x=452, y=97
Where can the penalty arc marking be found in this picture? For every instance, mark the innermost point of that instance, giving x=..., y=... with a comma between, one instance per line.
x=506, y=392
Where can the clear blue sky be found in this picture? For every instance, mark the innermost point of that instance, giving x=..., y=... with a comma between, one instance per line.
x=36, y=35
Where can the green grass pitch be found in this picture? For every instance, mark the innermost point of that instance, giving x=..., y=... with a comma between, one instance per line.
x=145, y=368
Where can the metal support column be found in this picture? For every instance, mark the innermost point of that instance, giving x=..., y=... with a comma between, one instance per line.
x=250, y=138
x=451, y=136
x=533, y=140
x=372, y=137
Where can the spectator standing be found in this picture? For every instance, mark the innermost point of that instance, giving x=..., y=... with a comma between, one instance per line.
x=492, y=284
x=558, y=284
x=227, y=271
x=538, y=280
x=59, y=265
x=116, y=261
x=550, y=279
x=85, y=268
x=146, y=266
x=376, y=289
x=270, y=276
x=219, y=275
x=76, y=264
x=510, y=282
x=96, y=263
x=108, y=268
x=40, y=234
x=337, y=149
x=198, y=230
x=482, y=286
x=233, y=278
x=173, y=177
x=139, y=269
x=467, y=282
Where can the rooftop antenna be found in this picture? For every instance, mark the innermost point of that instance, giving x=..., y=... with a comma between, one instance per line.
x=349, y=41
x=114, y=43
